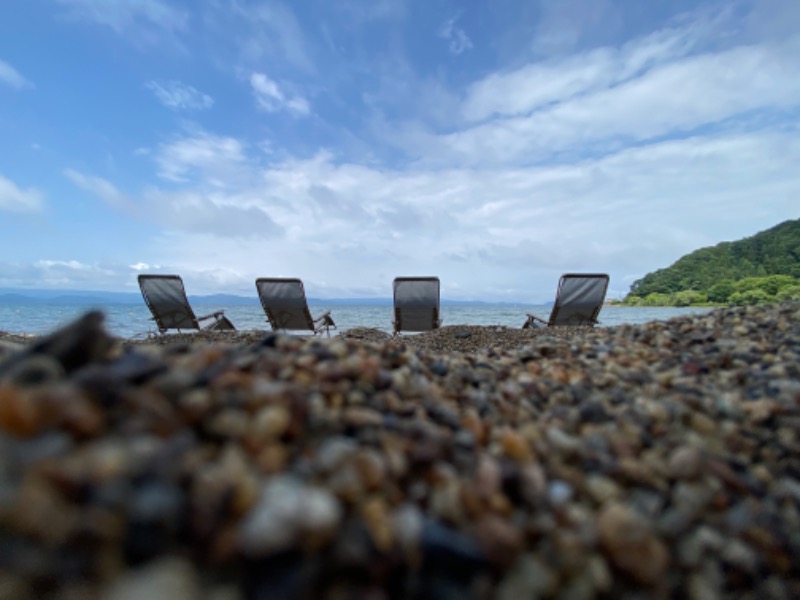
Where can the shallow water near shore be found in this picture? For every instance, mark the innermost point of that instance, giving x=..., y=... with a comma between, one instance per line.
x=131, y=321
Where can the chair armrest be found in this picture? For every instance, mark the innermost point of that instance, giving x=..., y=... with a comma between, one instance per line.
x=325, y=323
x=531, y=322
x=215, y=315
x=327, y=320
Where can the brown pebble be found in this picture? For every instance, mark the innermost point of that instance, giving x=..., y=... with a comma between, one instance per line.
x=631, y=545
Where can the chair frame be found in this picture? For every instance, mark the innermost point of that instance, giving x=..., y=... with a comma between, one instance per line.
x=589, y=320
x=220, y=320
x=436, y=320
x=323, y=322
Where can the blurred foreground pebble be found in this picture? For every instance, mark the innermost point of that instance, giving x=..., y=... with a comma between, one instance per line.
x=651, y=461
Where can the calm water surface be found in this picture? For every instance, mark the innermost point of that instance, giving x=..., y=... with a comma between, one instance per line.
x=131, y=320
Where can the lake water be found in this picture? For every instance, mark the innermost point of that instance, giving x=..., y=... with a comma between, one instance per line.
x=133, y=320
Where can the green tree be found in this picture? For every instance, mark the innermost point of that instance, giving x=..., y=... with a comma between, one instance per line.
x=634, y=301
x=788, y=293
x=720, y=292
x=774, y=252
x=751, y=297
x=656, y=299
x=688, y=298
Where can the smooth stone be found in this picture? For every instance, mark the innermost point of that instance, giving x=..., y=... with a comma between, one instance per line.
x=631, y=545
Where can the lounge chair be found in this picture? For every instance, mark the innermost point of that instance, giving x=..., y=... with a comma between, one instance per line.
x=284, y=302
x=578, y=302
x=167, y=301
x=416, y=304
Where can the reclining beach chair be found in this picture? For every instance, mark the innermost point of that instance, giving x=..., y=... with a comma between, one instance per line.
x=284, y=302
x=167, y=301
x=579, y=299
x=416, y=304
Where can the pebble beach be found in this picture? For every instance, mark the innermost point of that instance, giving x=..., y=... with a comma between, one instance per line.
x=659, y=460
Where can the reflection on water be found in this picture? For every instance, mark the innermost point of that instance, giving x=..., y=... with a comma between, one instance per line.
x=130, y=320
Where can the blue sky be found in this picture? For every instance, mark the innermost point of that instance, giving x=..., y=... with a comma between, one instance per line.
x=494, y=144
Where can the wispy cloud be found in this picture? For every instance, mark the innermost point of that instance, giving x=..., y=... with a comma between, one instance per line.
x=11, y=77
x=16, y=199
x=203, y=212
x=542, y=83
x=202, y=208
x=563, y=26
x=320, y=216
x=271, y=32
x=61, y=273
x=377, y=10
x=180, y=96
x=123, y=16
x=457, y=39
x=271, y=98
x=670, y=99
x=143, y=266
x=69, y=272
x=635, y=135
x=201, y=156
x=99, y=187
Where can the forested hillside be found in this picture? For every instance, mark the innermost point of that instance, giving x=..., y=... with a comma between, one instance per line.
x=757, y=269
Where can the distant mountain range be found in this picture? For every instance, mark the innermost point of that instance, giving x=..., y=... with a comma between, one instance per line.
x=17, y=296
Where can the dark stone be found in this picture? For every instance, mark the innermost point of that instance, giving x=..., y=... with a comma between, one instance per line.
x=593, y=412
x=106, y=381
x=439, y=367
x=34, y=370
x=155, y=509
x=270, y=341
x=451, y=561
x=443, y=415
x=79, y=343
x=284, y=576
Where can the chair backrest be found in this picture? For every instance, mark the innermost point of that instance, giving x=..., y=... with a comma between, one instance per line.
x=284, y=302
x=167, y=301
x=416, y=303
x=579, y=299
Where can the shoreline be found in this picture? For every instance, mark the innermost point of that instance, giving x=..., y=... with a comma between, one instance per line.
x=654, y=460
x=135, y=322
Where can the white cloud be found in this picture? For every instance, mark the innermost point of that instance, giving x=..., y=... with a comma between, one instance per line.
x=218, y=215
x=121, y=15
x=270, y=97
x=538, y=84
x=492, y=233
x=222, y=193
x=502, y=233
x=180, y=96
x=69, y=264
x=207, y=208
x=67, y=273
x=670, y=99
x=11, y=77
x=214, y=159
x=457, y=39
x=99, y=187
x=620, y=158
x=15, y=199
